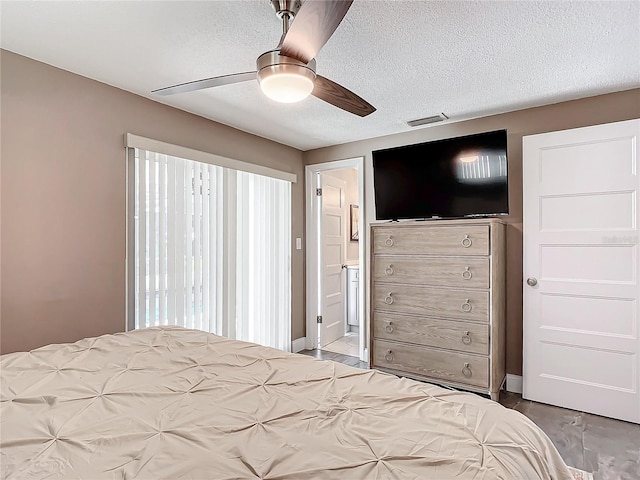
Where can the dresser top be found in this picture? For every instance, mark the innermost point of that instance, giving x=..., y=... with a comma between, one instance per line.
x=439, y=222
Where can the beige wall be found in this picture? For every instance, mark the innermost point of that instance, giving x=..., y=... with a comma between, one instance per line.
x=578, y=113
x=63, y=198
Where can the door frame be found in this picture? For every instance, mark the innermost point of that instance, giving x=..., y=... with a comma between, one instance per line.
x=312, y=256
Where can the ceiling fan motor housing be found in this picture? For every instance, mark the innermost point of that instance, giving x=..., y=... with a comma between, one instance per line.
x=273, y=61
x=285, y=79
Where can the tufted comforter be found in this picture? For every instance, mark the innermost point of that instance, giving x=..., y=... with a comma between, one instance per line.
x=169, y=403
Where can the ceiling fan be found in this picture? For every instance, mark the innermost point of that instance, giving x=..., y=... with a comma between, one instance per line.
x=288, y=73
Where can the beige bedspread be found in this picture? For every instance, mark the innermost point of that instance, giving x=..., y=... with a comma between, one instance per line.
x=177, y=404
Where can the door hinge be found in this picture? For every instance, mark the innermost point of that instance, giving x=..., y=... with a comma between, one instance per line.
x=319, y=318
x=318, y=192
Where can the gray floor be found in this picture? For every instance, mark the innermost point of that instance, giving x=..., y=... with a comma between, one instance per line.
x=349, y=344
x=608, y=448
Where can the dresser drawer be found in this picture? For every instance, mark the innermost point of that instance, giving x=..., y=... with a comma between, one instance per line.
x=454, y=240
x=424, y=361
x=472, y=272
x=470, y=305
x=432, y=332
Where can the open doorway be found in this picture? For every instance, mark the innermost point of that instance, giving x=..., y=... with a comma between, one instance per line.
x=335, y=257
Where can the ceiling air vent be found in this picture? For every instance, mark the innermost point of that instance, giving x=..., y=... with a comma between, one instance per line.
x=427, y=120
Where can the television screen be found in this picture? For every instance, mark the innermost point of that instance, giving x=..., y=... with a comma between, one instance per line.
x=455, y=177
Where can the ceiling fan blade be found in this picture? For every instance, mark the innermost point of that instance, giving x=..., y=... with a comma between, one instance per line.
x=312, y=26
x=340, y=97
x=206, y=83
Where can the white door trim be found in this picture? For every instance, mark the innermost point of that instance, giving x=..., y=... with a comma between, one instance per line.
x=514, y=383
x=299, y=344
x=312, y=248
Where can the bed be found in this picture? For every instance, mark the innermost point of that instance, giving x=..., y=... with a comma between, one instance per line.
x=171, y=403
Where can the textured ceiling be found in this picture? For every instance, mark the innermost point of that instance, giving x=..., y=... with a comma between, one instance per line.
x=410, y=59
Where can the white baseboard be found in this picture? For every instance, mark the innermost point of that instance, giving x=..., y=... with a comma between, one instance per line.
x=299, y=344
x=514, y=383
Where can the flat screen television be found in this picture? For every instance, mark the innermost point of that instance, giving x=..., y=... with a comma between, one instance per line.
x=450, y=178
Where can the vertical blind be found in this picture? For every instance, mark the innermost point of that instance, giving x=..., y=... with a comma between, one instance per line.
x=212, y=249
x=260, y=288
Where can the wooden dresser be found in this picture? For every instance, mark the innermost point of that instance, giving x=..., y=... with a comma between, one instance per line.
x=438, y=302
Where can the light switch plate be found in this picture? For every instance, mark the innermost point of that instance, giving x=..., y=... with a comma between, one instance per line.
x=298, y=243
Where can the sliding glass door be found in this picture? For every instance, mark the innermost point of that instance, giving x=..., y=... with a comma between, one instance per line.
x=212, y=249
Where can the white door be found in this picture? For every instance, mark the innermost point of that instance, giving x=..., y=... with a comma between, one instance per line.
x=332, y=241
x=581, y=213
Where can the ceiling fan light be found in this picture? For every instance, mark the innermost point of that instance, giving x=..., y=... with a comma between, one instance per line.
x=286, y=85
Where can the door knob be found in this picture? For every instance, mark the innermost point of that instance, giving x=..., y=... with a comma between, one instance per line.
x=532, y=281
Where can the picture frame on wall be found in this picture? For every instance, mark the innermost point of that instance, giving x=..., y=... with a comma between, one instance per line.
x=355, y=235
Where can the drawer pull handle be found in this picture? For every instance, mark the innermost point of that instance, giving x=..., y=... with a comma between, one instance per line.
x=388, y=327
x=466, y=370
x=467, y=274
x=466, y=306
x=389, y=299
x=466, y=241
x=466, y=338
x=389, y=270
x=389, y=241
x=389, y=356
